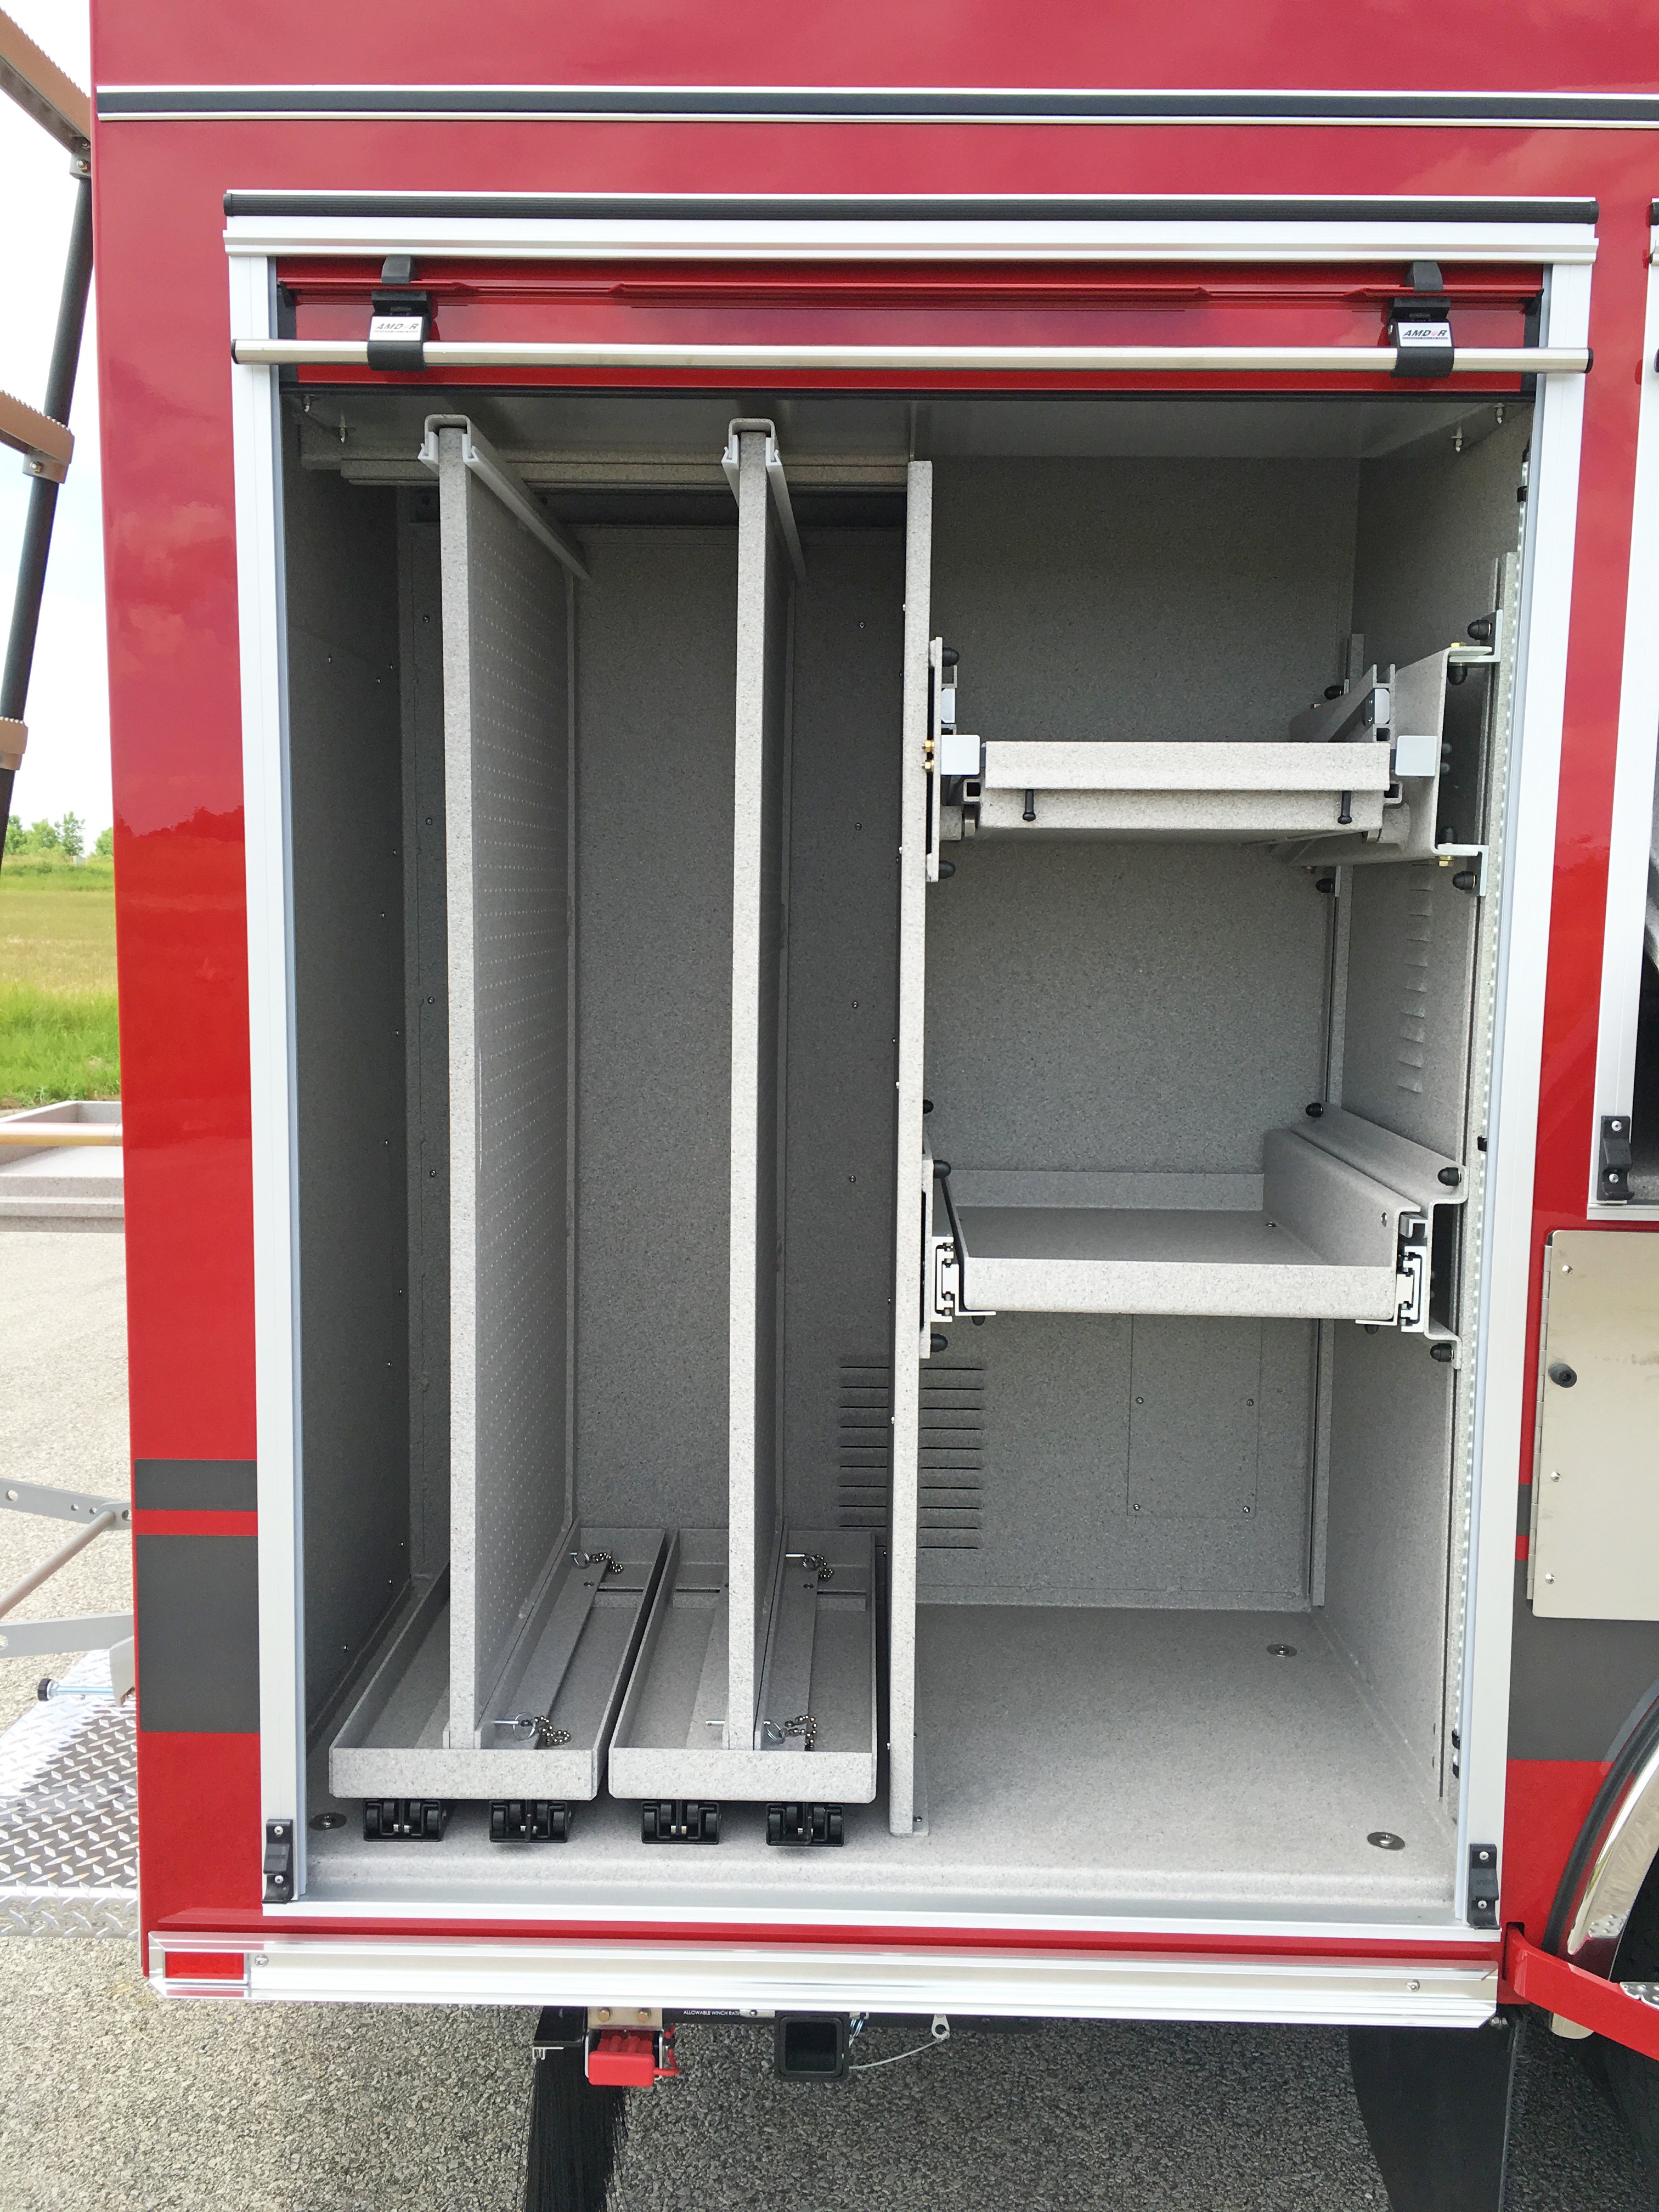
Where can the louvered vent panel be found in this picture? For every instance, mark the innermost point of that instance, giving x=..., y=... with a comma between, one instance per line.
x=952, y=1457
x=951, y=1451
x=864, y=1444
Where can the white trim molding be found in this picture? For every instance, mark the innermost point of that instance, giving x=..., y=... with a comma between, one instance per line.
x=256, y=420
x=1630, y=838
x=1528, y=873
x=443, y=1969
x=841, y=232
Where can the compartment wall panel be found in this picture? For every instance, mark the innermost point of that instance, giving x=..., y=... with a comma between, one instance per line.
x=1112, y=1459
x=655, y=670
x=425, y=943
x=347, y=838
x=1078, y=1016
x=505, y=729
x=1145, y=599
x=1411, y=963
x=1430, y=524
x=843, y=1001
x=1387, y=1538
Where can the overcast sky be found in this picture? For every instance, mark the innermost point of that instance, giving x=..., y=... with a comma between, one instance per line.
x=67, y=764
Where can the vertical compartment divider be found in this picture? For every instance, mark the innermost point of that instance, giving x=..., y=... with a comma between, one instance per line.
x=909, y=1318
x=761, y=724
x=506, y=738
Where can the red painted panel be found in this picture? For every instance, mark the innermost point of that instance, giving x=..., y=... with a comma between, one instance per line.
x=1542, y=1979
x=1038, y=1943
x=1039, y=305
x=200, y=1843
x=1296, y=43
x=174, y=678
x=1547, y=1803
x=877, y=284
x=154, y=1522
x=205, y=1966
x=597, y=303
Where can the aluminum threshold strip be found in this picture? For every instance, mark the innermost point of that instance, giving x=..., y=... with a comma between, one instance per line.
x=758, y=1978
x=1360, y=360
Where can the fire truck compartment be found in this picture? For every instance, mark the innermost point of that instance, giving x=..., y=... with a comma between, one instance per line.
x=614, y=1244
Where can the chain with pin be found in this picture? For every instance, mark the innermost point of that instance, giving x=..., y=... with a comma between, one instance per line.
x=816, y=1560
x=540, y=1730
x=803, y=1725
x=608, y=1561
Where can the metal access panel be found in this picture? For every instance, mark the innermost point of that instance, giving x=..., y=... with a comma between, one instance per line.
x=1594, y=1552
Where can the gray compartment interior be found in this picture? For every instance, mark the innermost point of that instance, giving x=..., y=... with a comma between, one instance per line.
x=610, y=1309
x=1119, y=1513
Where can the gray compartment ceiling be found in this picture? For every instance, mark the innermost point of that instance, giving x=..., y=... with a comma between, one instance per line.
x=570, y=437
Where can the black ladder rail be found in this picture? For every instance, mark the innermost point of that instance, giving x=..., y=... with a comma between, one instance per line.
x=43, y=492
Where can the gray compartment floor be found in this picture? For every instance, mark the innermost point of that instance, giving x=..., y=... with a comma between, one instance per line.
x=1097, y=1761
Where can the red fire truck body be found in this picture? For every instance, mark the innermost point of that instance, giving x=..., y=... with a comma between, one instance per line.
x=877, y=249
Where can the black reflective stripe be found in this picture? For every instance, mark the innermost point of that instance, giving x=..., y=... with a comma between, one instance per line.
x=1573, y=1684
x=195, y=1486
x=540, y=207
x=197, y=1614
x=877, y=105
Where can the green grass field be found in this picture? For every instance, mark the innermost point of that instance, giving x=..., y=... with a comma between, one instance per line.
x=57, y=1030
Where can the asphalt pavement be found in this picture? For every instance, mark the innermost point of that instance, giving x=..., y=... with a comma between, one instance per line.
x=110, y=2100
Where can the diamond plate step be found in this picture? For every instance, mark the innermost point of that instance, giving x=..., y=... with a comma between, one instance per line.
x=69, y=1814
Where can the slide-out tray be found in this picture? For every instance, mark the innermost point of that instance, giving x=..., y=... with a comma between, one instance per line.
x=819, y=1661
x=568, y=1666
x=1316, y=1237
x=1221, y=788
